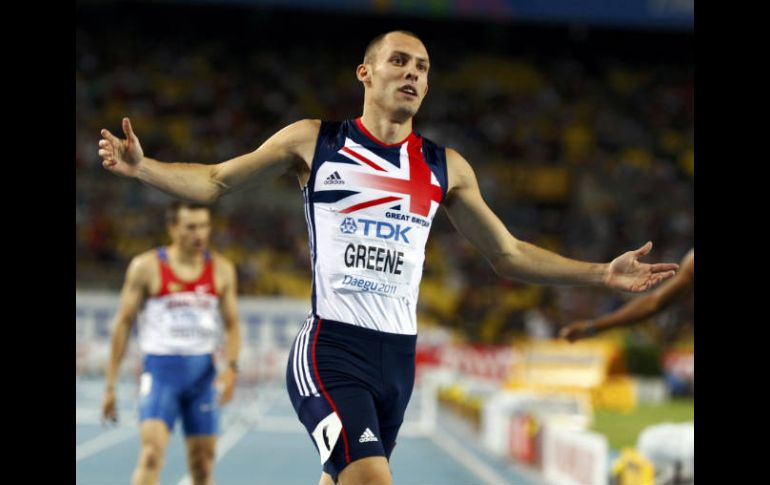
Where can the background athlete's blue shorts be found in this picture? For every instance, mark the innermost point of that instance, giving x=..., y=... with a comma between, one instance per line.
x=350, y=387
x=180, y=385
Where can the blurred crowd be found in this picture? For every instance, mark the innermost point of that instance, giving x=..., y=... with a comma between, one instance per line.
x=589, y=159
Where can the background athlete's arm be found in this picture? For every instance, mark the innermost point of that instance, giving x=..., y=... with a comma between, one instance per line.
x=131, y=297
x=228, y=304
x=289, y=149
x=516, y=259
x=640, y=307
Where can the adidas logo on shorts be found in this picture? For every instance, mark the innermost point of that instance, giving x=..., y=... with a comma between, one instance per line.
x=334, y=179
x=367, y=436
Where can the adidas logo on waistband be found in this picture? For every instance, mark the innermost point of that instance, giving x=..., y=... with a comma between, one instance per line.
x=367, y=436
x=334, y=179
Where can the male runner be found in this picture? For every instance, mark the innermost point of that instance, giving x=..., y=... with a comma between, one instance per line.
x=371, y=188
x=180, y=293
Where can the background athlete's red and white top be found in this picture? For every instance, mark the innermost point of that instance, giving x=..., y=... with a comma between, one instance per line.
x=369, y=208
x=183, y=318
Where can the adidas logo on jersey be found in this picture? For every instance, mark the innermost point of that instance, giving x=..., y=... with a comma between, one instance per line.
x=367, y=436
x=334, y=179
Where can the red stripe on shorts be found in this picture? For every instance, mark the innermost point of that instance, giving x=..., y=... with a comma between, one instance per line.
x=326, y=395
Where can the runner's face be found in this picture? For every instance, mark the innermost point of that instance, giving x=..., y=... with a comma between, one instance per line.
x=399, y=74
x=192, y=229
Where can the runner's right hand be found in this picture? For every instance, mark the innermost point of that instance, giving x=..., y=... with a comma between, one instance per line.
x=109, y=413
x=121, y=157
x=574, y=331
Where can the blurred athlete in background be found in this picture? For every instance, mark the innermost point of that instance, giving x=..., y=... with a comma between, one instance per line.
x=180, y=292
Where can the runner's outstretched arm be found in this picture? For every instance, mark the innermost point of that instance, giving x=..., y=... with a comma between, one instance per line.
x=516, y=259
x=290, y=149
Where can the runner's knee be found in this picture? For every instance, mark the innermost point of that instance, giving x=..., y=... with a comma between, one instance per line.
x=152, y=456
x=201, y=465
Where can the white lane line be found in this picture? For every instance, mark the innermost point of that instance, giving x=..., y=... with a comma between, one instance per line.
x=229, y=439
x=467, y=459
x=104, y=441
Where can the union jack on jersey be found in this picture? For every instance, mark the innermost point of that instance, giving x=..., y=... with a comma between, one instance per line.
x=369, y=208
x=363, y=178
